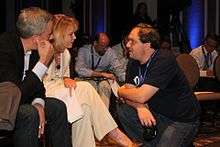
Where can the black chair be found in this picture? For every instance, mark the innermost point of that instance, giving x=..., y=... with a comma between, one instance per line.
x=191, y=71
x=190, y=68
x=217, y=68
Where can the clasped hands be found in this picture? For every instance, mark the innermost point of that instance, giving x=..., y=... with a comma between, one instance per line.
x=144, y=114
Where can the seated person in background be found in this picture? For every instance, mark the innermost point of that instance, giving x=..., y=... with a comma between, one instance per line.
x=24, y=58
x=97, y=120
x=121, y=52
x=205, y=57
x=165, y=44
x=141, y=15
x=154, y=77
x=98, y=63
x=205, y=54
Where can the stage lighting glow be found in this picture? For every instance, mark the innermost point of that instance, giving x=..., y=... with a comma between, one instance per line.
x=195, y=23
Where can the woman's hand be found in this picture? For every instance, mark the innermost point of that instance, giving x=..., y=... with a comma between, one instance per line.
x=108, y=75
x=69, y=83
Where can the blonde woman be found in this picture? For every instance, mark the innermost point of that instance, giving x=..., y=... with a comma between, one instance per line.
x=97, y=121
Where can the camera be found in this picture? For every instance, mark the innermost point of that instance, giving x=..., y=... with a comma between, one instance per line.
x=149, y=132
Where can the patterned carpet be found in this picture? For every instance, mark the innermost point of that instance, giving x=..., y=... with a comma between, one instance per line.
x=209, y=131
x=209, y=135
x=209, y=138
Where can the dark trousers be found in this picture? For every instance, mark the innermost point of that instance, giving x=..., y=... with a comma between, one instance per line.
x=170, y=133
x=27, y=123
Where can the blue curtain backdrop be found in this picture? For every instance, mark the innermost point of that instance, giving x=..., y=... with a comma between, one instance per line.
x=195, y=22
x=98, y=16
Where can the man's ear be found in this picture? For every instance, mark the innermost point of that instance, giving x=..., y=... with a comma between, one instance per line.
x=148, y=45
x=35, y=39
x=95, y=43
x=51, y=39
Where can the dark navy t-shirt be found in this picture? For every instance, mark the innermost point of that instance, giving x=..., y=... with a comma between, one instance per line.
x=174, y=99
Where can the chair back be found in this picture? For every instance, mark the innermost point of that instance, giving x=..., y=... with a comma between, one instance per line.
x=190, y=68
x=217, y=68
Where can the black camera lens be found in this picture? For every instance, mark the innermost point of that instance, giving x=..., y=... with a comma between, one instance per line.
x=149, y=133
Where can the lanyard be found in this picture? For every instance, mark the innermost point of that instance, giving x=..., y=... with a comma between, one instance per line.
x=139, y=80
x=92, y=56
x=207, y=57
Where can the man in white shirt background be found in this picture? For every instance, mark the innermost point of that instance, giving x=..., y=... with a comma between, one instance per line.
x=205, y=54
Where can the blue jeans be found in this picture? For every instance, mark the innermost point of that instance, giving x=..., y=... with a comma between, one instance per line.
x=170, y=133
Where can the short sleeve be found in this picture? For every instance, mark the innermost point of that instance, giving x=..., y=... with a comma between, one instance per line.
x=162, y=71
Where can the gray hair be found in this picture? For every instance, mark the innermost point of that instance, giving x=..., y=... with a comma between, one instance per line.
x=32, y=21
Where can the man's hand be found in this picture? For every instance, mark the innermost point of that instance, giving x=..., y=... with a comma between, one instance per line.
x=209, y=73
x=108, y=75
x=46, y=51
x=146, y=117
x=42, y=119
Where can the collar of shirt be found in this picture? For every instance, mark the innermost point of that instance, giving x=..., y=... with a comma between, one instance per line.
x=96, y=54
x=28, y=52
x=206, y=52
x=26, y=62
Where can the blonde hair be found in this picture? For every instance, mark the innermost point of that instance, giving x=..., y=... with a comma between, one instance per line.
x=62, y=22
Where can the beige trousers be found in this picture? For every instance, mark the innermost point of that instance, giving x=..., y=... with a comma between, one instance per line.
x=96, y=122
x=104, y=90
